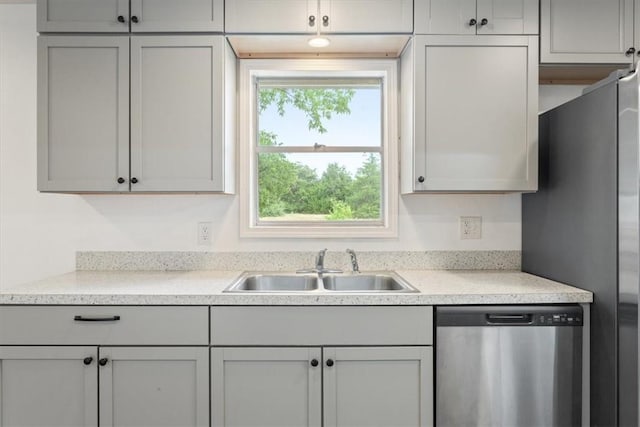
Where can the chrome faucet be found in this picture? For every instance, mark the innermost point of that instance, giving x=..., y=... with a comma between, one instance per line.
x=319, y=268
x=354, y=261
x=320, y=259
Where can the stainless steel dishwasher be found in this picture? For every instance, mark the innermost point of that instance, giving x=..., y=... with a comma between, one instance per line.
x=509, y=366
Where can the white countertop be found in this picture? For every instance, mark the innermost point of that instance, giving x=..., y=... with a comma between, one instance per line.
x=437, y=287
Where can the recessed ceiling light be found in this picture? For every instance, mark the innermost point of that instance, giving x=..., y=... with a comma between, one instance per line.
x=319, y=42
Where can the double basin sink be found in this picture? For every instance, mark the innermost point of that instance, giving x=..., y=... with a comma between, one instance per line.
x=330, y=283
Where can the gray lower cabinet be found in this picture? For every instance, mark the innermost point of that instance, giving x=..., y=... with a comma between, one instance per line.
x=378, y=386
x=154, y=386
x=345, y=386
x=267, y=386
x=137, y=386
x=48, y=386
x=124, y=366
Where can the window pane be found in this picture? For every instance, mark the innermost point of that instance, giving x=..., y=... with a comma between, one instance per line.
x=319, y=187
x=345, y=115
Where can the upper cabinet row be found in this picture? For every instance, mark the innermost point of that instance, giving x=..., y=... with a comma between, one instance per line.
x=311, y=16
x=463, y=17
x=123, y=16
x=601, y=31
x=469, y=17
x=598, y=31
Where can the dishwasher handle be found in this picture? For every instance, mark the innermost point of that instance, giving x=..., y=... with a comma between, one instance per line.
x=509, y=319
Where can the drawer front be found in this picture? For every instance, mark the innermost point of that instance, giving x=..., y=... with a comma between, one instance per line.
x=104, y=325
x=351, y=325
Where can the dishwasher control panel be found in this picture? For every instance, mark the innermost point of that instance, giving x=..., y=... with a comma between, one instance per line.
x=510, y=315
x=559, y=319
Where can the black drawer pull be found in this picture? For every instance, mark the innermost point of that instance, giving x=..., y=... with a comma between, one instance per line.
x=96, y=319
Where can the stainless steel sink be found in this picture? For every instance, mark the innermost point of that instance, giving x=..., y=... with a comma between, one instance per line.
x=257, y=282
x=332, y=283
x=379, y=282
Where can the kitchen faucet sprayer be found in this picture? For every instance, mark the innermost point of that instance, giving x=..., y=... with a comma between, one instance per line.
x=354, y=261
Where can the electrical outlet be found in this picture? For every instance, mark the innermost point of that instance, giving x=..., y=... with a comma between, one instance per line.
x=470, y=227
x=204, y=233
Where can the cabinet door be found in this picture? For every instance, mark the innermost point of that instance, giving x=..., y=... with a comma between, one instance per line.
x=366, y=16
x=475, y=113
x=83, y=16
x=154, y=386
x=271, y=16
x=445, y=16
x=600, y=31
x=183, y=15
x=507, y=16
x=48, y=386
x=176, y=113
x=83, y=113
x=265, y=386
x=378, y=386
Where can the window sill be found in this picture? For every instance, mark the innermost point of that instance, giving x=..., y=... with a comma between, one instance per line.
x=320, y=232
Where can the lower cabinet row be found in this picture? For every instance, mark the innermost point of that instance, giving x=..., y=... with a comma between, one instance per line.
x=245, y=386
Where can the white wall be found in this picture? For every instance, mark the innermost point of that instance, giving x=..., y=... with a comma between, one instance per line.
x=553, y=95
x=39, y=233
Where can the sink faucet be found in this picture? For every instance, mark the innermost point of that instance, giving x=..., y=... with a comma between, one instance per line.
x=319, y=268
x=320, y=259
x=354, y=261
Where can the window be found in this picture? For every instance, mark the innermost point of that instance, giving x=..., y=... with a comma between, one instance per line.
x=318, y=150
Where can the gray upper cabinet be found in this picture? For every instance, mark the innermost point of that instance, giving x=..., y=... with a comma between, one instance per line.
x=154, y=386
x=48, y=386
x=179, y=16
x=469, y=17
x=327, y=16
x=177, y=113
x=181, y=114
x=83, y=113
x=469, y=121
x=83, y=16
x=144, y=15
x=602, y=32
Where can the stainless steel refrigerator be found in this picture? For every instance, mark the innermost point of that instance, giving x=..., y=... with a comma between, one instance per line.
x=582, y=228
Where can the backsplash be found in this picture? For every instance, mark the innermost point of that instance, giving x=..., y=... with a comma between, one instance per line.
x=290, y=261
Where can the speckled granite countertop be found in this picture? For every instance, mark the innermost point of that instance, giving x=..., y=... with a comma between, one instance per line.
x=437, y=287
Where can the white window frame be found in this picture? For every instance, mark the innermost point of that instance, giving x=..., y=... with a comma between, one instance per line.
x=252, y=69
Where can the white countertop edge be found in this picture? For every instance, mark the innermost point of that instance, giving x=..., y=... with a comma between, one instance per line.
x=437, y=287
x=290, y=299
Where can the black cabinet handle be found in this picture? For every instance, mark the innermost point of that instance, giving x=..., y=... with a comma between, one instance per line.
x=472, y=22
x=484, y=21
x=134, y=19
x=314, y=362
x=330, y=362
x=103, y=361
x=134, y=180
x=630, y=51
x=121, y=180
x=325, y=20
x=87, y=360
x=312, y=20
x=421, y=179
x=121, y=19
x=96, y=319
